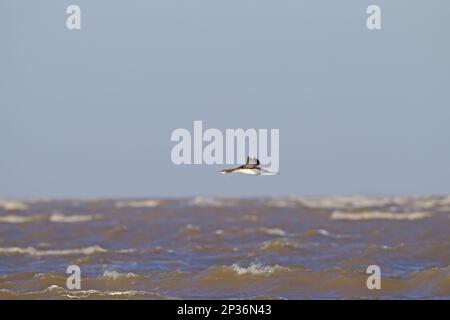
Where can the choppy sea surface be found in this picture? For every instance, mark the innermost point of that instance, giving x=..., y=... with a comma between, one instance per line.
x=226, y=248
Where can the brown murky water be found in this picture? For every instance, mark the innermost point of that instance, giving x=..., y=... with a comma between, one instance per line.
x=284, y=248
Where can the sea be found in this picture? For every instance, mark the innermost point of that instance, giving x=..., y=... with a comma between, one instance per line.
x=292, y=247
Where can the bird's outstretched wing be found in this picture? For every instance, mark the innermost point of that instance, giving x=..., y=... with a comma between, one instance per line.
x=251, y=163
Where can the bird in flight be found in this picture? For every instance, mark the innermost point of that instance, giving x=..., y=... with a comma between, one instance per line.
x=251, y=167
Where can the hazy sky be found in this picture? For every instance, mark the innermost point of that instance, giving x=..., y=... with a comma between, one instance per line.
x=89, y=113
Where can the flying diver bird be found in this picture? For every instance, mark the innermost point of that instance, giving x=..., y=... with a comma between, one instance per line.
x=251, y=167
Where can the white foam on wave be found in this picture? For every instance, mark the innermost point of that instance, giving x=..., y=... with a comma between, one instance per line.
x=130, y=250
x=360, y=202
x=149, y=203
x=372, y=215
x=9, y=205
x=89, y=294
x=429, y=202
x=279, y=244
x=326, y=233
x=323, y=232
x=201, y=201
x=273, y=231
x=83, y=294
x=257, y=269
x=190, y=227
x=342, y=202
x=16, y=219
x=55, y=217
x=63, y=252
x=114, y=275
x=61, y=218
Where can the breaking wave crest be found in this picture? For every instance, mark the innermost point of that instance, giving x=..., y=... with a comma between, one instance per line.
x=149, y=203
x=361, y=202
x=58, y=292
x=253, y=269
x=371, y=215
x=280, y=246
x=257, y=269
x=35, y=252
x=58, y=217
x=273, y=231
x=114, y=275
x=54, y=217
x=9, y=205
x=211, y=202
x=16, y=219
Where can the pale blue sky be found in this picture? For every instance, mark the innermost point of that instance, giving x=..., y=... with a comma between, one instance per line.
x=89, y=113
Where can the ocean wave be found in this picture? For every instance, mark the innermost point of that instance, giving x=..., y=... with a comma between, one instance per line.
x=360, y=202
x=326, y=233
x=318, y=232
x=114, y=275
x=225, y=273
x=256, y=269
x=250, y=218
x=445, y=208
x=342, y=202
x=149, y=203
x=9, y=205
x=273, y=231
x=279, y=246
x=234, y=281
x=63, y=252
x=434, y=281
x=55, y=217
x=211, y=202
x=61, y=218
x=190, y=230
x=372, y=215
x=281, y=203
x=17, y=219
x=54, y=291
x=427, y=202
